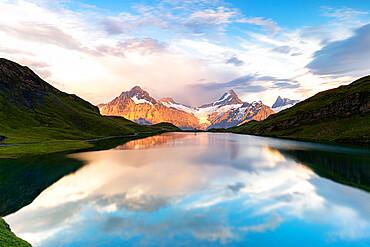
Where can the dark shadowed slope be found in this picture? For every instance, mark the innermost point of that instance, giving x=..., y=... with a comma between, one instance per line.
x=338, y=115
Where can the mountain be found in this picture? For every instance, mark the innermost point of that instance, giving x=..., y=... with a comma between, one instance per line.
x=31, y=111
x=246, y=112
x=338, y=115
x=229, y=98
x=138, y=106
x=282, y=104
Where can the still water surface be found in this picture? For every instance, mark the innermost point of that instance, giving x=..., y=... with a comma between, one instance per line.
x=205, y=190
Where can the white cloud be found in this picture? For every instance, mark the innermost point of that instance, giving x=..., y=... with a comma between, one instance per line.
x=268, y=24
x=97, y=55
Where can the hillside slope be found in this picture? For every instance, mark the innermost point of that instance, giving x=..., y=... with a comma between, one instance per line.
x=337, y=115
x=33, y=111
x=8, y=238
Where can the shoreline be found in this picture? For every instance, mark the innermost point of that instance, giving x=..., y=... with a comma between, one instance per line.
x=17, y=150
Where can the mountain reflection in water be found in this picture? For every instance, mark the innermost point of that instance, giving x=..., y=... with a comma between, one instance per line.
x=202, y=190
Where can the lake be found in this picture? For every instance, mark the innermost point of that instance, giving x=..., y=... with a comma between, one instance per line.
x=186, y=189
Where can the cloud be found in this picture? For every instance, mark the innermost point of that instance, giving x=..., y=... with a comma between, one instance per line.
x=194, y=18
x=236, y=187
x=10, y=51
x=273, y=222
x=168, y=47
x=199, y=18
x=203, y=226
x=345, y=57
x=216, y=16
x=343, y=14
x=285, y=49
x=286, y=85
x=202, y=21
x=44, y=33
x=143, y=46
x=38, y=66
x=248, y=83
x=112, y=27
x=143, y=203
x=267, y=24
x=237, y=83
x=235, y=61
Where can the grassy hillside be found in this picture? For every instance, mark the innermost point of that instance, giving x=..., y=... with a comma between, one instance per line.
x=337, y=115
x=33, y=111
x=8, y=238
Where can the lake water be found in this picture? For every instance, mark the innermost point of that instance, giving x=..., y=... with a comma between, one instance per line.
x=186, y=189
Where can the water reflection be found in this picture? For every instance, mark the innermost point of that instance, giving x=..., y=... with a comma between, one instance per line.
x=23, y=179
x=198, y=190
x=152, y=141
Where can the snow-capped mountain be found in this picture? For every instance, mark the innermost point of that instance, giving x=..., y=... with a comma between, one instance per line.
x=137, y=105
x=282, y=104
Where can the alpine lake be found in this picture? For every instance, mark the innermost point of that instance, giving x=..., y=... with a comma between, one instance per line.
x=191, y=189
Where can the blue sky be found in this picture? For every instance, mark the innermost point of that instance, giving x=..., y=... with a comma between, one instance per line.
x=288, y=13
x=192, y=50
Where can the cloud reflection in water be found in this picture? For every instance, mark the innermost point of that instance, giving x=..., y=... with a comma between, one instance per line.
x=191, y=189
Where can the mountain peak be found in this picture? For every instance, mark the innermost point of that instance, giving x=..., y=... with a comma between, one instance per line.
x=136, y=89
x=27, y=79
x=167, y=99
x=21, y=85
x=229, y=98
x=137, y=94
x=283, y=103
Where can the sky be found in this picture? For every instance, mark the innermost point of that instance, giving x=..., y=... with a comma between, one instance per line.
x=190, y=50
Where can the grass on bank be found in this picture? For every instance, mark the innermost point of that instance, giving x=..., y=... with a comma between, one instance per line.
x=33, y=149
x=44, y=140
x=8, y=238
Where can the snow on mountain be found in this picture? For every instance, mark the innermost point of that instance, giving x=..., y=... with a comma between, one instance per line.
x=227, y=111
x=169, y=102
x=282, y=104
x=138, y=106
x=226, y=103
x=140, y=101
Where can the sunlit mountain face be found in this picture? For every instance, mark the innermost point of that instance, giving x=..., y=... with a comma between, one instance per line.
x=228, y=111
x=203, y=190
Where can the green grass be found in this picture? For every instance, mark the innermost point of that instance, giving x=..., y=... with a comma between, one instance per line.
x=39, y=143
x=8, y=238
x=329, y=116
x=32, y=149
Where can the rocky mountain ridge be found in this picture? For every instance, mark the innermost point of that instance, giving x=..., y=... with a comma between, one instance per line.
x=138, y=106
x=282, y=104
